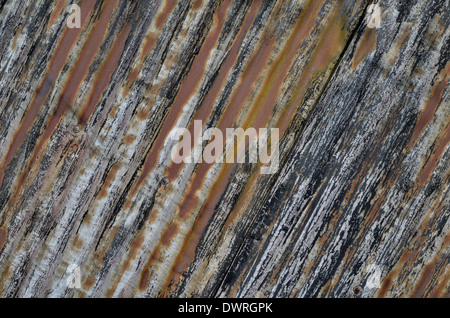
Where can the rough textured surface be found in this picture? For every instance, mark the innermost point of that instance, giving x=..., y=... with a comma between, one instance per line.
x=360, y=204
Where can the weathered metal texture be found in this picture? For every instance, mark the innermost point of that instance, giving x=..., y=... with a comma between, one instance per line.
x=86, y=176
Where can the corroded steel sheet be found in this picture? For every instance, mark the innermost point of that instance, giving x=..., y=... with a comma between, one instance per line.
x=358, y=204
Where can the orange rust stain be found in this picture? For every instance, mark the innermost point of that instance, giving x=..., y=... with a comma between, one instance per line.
x=129, y=139
x=168, y=8
x=110, y=293
x=328, y=45
x=113, y=111
x=145, y=279
x=3, y=237
x=367, y=44
x=249, y=78
x=386, y=285
x=152, y=216
x=143, y=114
x=152, y=94
x=89, y=51
x=427, y=114
x=423, y=282
x=87, y=218
x=150, y=41
x=109, y=179
x=14, y=42
x=324, y=291
x=57, y=62
x=56, y=12
x=89, y=282
x=406, y=257
x=197, y=4
x=169, y=234
x=330, y=37
x=81, y=294
x=3, y=278
x=434, y=159
x=419, y=72
x=188, y=87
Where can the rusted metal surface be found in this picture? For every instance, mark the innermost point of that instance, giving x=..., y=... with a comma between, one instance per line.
x=359, y=204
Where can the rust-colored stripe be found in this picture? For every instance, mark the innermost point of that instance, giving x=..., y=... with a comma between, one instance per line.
x=3, y=237
x=109, y=178
x=169, y=233
x=168, y=8
x=197, y=4
x=149, y=43
x=424, y=280
x=429, y=110
x=367, y=44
